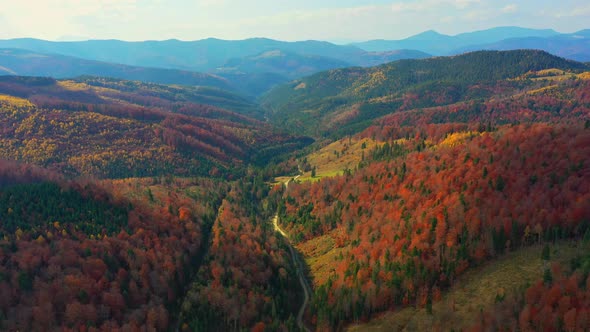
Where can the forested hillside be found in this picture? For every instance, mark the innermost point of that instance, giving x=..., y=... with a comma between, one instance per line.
x=344, y=101
x=78, y=255
x=28, y=63
x=406, y=228
x=558, y=301
x=248, y=280
x=135, y=206
x=443, y=190
x=118, y=129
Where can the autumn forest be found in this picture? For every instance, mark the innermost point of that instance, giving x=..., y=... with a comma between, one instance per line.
x=345, y=200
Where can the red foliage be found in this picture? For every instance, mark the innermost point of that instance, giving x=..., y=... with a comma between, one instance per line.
x=70, y=280
x=427, y=217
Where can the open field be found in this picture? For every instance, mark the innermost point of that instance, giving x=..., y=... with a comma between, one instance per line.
x=334, y=158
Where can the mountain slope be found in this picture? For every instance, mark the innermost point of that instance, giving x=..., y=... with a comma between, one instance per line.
x=110, y=255
x=22, y=62
x=438, y=191
x=118, y=129
x=250, y=66
x=343, y=101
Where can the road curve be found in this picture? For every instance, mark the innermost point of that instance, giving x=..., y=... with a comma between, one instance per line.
x=298, y=267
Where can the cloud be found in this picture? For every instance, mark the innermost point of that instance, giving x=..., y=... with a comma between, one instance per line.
x=581, y=11
x=511, y=8
x=211, y=3
x=286, y=20
x=431, y=5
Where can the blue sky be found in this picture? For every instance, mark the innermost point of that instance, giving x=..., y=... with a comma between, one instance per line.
x=333, y=20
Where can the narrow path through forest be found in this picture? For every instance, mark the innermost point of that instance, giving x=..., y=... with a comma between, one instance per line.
x=299, y=268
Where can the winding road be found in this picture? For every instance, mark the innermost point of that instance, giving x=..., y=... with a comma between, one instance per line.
x=299, y=268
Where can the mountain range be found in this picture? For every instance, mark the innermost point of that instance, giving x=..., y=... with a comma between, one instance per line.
x=29, y=63
x=128, y=205
x=575, y=46
x=205, y=55
x=253, y=66
x=436, y=43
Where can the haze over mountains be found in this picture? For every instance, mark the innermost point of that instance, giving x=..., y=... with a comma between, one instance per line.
x=253, y=66
x=574, y=46
x=439, y=44
x=259, y=185
x=28, y=63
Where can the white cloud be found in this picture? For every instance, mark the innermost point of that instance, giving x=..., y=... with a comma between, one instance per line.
x=511, y=8
x=581, y=11
x=211, y=3
x=282, y=19
x=431, y=5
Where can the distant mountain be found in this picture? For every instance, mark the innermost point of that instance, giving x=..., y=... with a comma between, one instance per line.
x=252, y=65
x=22, y=62
x=343, y=101
x=575, y=46
x=270, y=68
x=435, y=43
x=204, y=88
x=202, y=55
x=371, y=59
x=287, y=64
x=254, y=84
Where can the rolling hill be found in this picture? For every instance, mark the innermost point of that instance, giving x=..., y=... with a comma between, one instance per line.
x=109, y=255
x=344, y=101
x=27, y=63
x=117, y=129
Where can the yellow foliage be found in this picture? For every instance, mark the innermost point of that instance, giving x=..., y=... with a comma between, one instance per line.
x=19, y=102
x=455, y=139
x=73, y=86
x=550, y=72
x=18, y=233
x=543, y=89
x=376, y=79
x=40, y=239
x=38, y=151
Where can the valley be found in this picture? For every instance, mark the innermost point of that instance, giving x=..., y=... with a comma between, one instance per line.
x=293, y=186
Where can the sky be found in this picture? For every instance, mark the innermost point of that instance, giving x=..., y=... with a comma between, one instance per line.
x=332, y=20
